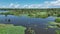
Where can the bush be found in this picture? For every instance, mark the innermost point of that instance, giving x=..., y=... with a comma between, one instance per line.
x=57, y=20
x=43, y=14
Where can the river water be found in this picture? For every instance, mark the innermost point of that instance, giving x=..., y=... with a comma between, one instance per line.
x=38, y=24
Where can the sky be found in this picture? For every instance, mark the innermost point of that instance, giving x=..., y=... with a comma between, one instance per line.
x=29, y=3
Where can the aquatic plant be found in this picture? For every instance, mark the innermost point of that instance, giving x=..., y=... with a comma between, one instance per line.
x=39, y=15
x=57, y=20
x=29, y=30
x=54, y=25
x=57, y=31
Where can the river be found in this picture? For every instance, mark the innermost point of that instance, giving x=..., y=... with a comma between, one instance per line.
x=38, y=24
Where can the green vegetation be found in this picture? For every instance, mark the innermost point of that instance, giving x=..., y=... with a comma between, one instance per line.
x=11, y=29
x=56, y=23
x=30, y=31
x=53, y=25
x=57, y=31
x=37, y=13
x=43, y=14
x=57, y=20
x=34, y=13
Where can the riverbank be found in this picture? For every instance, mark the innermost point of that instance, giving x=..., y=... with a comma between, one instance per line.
x=11, y=29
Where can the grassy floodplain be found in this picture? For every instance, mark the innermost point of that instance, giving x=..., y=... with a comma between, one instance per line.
x=39, y=13
x=36, y=13
x=57, y=31
x=11, y=29
x=56, y=24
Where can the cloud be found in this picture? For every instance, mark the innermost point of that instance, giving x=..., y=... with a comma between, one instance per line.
x=35, y=6
x=53, y=3
x=11, y=5
x=32, y=6
x=46, y=4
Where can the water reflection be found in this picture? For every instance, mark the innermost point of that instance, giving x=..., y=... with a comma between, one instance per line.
x=38, y=24
x=9, y=20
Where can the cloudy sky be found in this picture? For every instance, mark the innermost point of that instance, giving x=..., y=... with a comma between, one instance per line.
x=29, y=3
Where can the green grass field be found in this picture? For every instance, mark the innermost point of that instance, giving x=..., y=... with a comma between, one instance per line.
x=57, y=31
x=11, y=29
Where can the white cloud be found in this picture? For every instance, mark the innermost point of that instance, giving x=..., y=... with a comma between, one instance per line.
x=46, y=4
x=17, y=6
x=14, y=5
x=54, y=3
x=11, y=5
x=32, y=6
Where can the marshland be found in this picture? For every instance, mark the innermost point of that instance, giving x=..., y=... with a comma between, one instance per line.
x=30, y=21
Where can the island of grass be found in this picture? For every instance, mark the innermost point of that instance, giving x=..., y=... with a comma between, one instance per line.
x=57, y=31
x=11, y=29
x=36, y=13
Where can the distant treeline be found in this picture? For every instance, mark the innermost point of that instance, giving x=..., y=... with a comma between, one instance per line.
x=29, y=8
x=34, y=12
